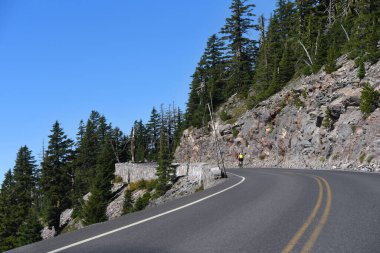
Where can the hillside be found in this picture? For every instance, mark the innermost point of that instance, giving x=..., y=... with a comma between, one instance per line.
x=314, y=122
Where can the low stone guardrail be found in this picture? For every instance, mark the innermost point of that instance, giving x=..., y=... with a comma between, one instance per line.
x=200, y=172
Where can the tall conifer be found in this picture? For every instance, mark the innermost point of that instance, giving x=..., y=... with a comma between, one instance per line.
x=242, y=49
x=56, y=179
x=95, y=209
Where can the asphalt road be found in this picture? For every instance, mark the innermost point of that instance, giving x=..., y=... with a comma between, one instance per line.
x=259, y=210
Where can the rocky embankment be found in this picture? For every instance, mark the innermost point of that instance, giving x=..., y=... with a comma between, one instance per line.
x=314, y=122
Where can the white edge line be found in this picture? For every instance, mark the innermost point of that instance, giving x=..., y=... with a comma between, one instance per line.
x=148, y=219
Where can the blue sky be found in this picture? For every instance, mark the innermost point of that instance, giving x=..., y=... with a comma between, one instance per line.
x=61, y=59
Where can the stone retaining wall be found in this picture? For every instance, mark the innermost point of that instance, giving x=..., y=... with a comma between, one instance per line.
x=200, y=172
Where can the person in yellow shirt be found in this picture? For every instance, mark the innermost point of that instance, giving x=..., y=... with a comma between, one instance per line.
x=241, y=159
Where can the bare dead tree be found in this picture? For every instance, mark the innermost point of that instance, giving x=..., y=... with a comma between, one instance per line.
x=348, y=6
x=331, y=10
x=316, y=43
x=262, y=29
x=115, y=145
x=307, y=53
x=133, y=145
x=345, y=32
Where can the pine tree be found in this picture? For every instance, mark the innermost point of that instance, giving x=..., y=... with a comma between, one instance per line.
x=369, y=100
x=164, y=170
x=196, y=114
x=286, y=68
x=86, y=157
x=153, y=133
x=8, y=221
x=24, y=183
x=242, y=50
x=214, y=64
x=179, y=129
x=30, y=229
x=56, y=176
x=128, y=202
x=361, y=70
x=120, y=145
x=331, y=59
x=140, y=141
x=95, y=208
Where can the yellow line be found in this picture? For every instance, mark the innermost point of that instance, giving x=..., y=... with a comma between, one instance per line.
x=311, y=217
x=314, y=236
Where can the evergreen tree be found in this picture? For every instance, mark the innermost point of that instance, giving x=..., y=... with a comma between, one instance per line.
x=120, y=144
x=86, y=157
x=369, y=100
x=214, y=63
x=196, y=112
x=8, y=221
x=361, y=70
x=140, y=141
x=331, y=59
x=128, y=202
x=56, y=176
x=30, y=229
x=208, y=84
x=153, y=133
x=95, y=209
x=365, y=31
x=24, y=183
x=242, y=50
x=164, y=170
x=286, y=68
x=179, y=129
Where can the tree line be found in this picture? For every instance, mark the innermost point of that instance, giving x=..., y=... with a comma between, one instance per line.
x=254, y=61
x=33, y=195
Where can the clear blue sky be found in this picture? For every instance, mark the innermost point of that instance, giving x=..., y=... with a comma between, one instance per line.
x=61, y=59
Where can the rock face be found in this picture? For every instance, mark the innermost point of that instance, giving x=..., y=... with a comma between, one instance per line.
x=47, y=233
x=65, y=217
x=314, y=122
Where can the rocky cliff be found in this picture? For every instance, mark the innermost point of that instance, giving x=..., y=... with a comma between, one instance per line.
x=314, y=122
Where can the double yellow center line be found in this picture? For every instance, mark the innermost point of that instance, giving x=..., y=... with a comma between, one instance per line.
x=318, y=228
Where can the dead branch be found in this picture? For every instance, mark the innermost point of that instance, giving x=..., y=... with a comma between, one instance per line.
x=345, y=32
x=307, y=53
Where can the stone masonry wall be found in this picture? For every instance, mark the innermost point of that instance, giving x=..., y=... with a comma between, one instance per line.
x=200, y=172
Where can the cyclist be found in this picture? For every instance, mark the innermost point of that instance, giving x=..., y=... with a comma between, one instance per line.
x=241, y=159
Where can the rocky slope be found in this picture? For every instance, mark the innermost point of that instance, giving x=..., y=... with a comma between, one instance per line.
x=293, y=127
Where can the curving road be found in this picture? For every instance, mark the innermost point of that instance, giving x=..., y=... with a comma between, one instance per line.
x=255, y=210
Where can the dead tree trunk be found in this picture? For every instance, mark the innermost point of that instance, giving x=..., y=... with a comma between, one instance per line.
x=307, y=53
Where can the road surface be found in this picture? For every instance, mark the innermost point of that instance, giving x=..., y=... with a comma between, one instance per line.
x=255, y=210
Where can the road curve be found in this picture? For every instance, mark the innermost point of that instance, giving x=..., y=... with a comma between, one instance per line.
x=255, y=210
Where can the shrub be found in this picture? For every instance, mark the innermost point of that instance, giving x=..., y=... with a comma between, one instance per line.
x=118, y=179
x=361, y=70
x=327, y=120
x=142, y=202
x=224, y=116
x=362, y=157
x=304, y=94
x=369, y=100
x=200, y=188
x=235, y=132
x=262, y=157
x=370, y=158
x=128, y=202
x=298, y=103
